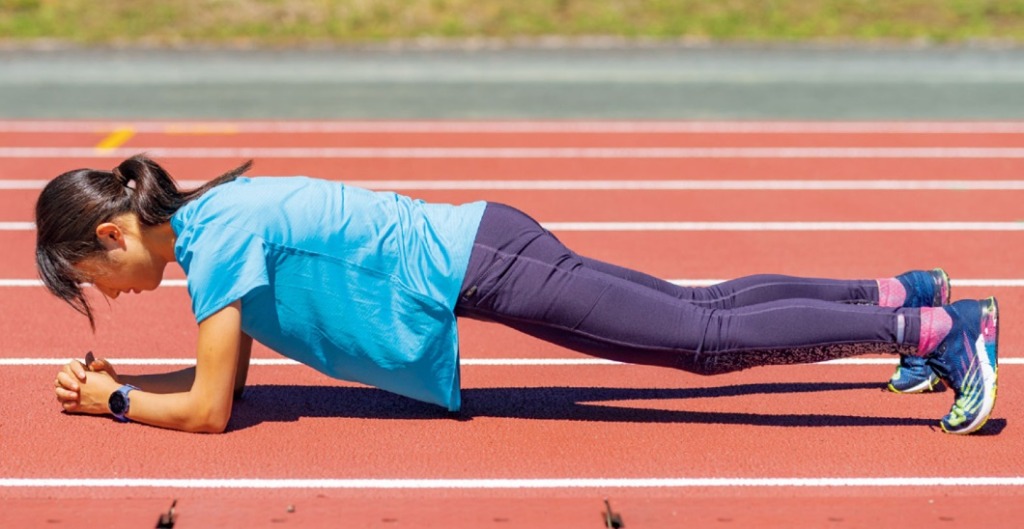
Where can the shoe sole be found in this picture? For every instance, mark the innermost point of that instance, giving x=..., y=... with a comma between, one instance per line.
x=993, y=308
x=922, y=387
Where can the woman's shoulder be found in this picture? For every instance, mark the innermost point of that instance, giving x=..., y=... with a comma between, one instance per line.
x=243, y=194
x=263, y=206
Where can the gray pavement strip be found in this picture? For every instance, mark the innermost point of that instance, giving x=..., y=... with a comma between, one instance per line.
x=516, y=66
x=665, y=83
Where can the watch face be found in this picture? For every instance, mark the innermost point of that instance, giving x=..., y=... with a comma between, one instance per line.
x=117, y=403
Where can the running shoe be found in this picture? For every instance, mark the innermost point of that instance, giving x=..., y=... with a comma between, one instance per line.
x=913, y=375
x=967, y=361
x=924, y=289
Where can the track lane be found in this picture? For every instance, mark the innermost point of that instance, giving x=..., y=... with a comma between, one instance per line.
x=543, y=169
x=692, y=205
x=504, y=139
x=555, y=510
x=475, y=139
x=733, y=254
x=530, y=422
x=160, y=324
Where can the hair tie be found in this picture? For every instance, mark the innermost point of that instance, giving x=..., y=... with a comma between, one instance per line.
x=126, y=182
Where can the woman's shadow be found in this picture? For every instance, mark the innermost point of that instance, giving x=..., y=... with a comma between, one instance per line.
x=285, y=403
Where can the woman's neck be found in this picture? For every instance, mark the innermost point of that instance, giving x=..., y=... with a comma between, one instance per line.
x=160, y=241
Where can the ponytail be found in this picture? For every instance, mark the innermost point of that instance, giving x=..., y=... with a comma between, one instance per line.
x=73, y=204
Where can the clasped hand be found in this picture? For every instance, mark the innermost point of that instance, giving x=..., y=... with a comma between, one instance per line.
x=86, y=388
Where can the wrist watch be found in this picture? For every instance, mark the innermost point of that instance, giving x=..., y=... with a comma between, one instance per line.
x=119, y=402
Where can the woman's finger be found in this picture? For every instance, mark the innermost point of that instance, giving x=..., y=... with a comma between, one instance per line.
x=65, y=395
x=76, y=369
x=102, y=366
x=67, y=381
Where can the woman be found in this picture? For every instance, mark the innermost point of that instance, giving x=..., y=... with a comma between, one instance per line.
x=366, y=287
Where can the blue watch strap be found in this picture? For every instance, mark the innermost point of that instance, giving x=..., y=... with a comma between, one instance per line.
x=122, y=393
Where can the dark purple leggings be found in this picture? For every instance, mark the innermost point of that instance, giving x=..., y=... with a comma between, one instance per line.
x=520, y=275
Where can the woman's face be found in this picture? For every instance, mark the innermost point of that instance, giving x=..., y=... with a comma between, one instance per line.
x=126, y=264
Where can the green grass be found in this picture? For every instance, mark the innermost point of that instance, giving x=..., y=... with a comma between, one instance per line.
x=292, y=22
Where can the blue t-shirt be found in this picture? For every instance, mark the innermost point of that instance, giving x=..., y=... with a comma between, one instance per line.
x=359, y=285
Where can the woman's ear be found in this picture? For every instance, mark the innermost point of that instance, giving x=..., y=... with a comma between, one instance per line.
x=110, y=235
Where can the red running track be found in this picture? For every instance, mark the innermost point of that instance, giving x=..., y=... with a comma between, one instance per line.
x=827, y=444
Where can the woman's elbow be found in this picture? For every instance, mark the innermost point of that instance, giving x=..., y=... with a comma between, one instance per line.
x=209, y=420
x=213, y=427
x=210, y=425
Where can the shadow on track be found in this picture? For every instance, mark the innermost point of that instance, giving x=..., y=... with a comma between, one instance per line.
x=285, y=403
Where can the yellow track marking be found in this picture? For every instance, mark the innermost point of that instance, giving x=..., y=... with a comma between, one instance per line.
x=115, y=139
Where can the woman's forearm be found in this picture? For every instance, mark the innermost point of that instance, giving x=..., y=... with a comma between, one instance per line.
x=174, y=382
x=197, y=410
x=180, y=411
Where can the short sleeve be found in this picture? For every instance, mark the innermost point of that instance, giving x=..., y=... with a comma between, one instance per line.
x=222, y=265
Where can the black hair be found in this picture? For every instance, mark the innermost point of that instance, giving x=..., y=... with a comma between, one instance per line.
x=73, y=204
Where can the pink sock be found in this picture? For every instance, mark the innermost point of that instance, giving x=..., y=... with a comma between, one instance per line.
x=935, y=325
x=891, y=292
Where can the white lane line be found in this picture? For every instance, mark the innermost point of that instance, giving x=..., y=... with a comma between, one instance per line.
x=554, y=483
x=520, y=152
x=784, y=226
x=22, y=185
x=475, y=362
x=181, y=283
x=981, y=283
x=27, y=283
x=569, y=127
x=32, y=283
x=886, y=361
x=272, y=362
x=642, y=185
x=17, y=226
x=733, y=226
